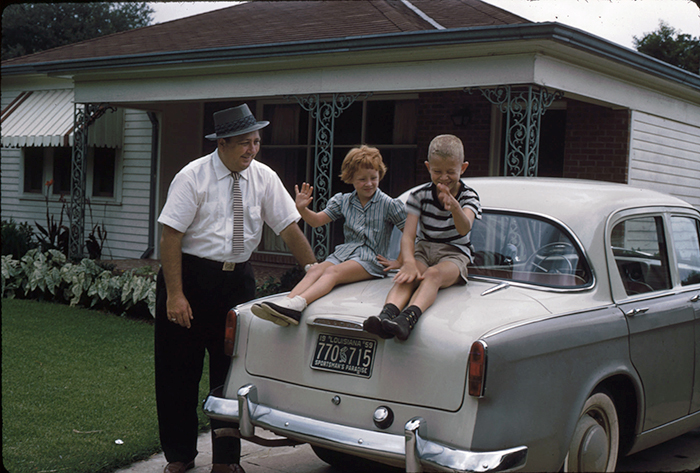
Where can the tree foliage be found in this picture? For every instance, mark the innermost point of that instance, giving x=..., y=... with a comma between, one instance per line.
x=671, y=46
x=32, y=27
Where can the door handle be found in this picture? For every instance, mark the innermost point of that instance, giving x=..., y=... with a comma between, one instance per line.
x=695, y=298
x=634, y=312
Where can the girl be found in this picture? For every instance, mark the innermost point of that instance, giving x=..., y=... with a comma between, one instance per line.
x=369, y=216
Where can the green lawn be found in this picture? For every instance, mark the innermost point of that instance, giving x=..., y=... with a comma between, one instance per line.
x=77, y=389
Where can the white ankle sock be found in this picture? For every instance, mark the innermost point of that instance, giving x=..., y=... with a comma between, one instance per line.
x=297, y=303
x=294, y=303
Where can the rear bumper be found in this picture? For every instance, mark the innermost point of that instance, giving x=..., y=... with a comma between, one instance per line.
x=412, y=449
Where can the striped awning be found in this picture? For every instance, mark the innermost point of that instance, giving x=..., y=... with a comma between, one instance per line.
x=46, y=117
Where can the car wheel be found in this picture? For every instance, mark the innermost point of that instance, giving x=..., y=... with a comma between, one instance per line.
x=596, y=439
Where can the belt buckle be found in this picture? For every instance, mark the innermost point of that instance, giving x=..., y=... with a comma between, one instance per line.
x=229, y=266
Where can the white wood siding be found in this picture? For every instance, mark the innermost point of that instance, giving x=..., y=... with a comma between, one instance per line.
x=127, y=224
x=665, y=156
x=126, y=219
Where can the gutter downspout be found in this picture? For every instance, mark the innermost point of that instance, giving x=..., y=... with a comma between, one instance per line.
x=155, y=132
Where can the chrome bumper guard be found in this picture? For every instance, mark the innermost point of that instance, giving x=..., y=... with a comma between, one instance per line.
x=412, y=449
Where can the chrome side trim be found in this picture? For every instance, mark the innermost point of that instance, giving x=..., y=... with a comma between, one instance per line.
x=412, y=449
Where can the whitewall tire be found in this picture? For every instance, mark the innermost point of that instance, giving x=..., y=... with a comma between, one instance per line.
x=596, y=440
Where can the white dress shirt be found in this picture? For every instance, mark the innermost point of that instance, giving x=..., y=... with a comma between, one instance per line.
x=200, y=205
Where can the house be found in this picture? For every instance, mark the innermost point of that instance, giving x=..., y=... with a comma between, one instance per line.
x=114, y=118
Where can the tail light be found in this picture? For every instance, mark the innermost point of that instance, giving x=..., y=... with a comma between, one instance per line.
x=230, y=333
x=477, y=369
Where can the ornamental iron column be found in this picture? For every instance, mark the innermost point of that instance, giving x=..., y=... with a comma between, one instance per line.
x=324, y=112
x=84, y=116
x=524, y=109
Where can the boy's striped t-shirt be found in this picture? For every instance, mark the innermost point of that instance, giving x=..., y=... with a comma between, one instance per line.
x=437, y=224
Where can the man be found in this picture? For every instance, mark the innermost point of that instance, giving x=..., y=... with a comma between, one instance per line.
x=205, y=272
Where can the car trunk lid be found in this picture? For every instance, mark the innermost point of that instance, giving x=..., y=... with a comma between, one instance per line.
x=429, y=369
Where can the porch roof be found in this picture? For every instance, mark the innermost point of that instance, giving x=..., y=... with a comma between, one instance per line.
x=39, y=118
x=46, y=118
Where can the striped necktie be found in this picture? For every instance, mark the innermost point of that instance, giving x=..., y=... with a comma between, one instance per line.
x=238, y=237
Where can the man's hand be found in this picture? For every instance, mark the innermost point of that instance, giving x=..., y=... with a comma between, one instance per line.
x=179, y=310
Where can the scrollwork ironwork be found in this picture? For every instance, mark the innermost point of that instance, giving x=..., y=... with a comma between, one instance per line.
x=324, y=110
x=84, y=115
x=524, y=109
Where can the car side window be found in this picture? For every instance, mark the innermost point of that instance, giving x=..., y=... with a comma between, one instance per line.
x=639, y=247
x=686, y=241
x=528, y=249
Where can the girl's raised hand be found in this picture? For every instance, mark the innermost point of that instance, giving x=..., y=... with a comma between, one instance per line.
x=304, y=196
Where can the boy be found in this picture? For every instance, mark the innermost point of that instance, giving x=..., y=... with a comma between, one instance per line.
x=441, y=215
x=370, y=216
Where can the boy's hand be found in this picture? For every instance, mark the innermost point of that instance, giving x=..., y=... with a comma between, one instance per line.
x=447, y=199
x=407, y=273
x=389, y=265
x=304, y=196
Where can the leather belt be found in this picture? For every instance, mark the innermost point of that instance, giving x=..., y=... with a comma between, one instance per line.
x=213, y=265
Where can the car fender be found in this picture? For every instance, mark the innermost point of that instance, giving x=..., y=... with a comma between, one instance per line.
x=580, y=350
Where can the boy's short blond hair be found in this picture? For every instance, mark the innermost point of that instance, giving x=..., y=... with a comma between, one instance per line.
x=446, y=146
x=363, y=157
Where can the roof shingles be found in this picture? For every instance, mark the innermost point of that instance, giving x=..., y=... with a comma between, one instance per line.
x=267, y=22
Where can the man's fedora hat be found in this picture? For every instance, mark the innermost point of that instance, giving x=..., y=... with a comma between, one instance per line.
x=235, y=121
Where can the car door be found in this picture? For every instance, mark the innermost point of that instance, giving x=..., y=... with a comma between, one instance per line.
x=660, y=319
x=685, y=232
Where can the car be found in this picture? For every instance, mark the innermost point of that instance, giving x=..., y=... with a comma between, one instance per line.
x=575, y=342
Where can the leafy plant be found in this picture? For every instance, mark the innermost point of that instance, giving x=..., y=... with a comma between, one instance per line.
x=16, y=238
x=287, y=281
x=56, y=235
x=96, y=238
x=49, y=276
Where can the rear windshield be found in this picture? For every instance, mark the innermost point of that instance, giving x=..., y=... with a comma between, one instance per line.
x=527, y=249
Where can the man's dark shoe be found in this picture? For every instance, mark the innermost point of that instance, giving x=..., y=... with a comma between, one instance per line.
x=373, y=324
x=225, y=468
x=178, y=467
x=288, y=315
x=402, y=325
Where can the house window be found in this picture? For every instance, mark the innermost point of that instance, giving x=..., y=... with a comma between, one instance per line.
x=33, y=170
x=103, y=172
x=62, y=158
x=388, y=124
x=45, y=164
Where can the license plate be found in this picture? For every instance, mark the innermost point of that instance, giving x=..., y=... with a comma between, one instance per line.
x=346, y=355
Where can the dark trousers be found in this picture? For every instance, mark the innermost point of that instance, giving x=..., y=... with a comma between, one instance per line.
x=179, y=355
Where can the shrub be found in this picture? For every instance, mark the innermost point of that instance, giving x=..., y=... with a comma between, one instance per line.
x=49, y=276
x=17, y=238
x=287, y=281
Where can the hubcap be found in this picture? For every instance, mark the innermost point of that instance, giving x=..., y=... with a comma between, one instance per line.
x=594, y=448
